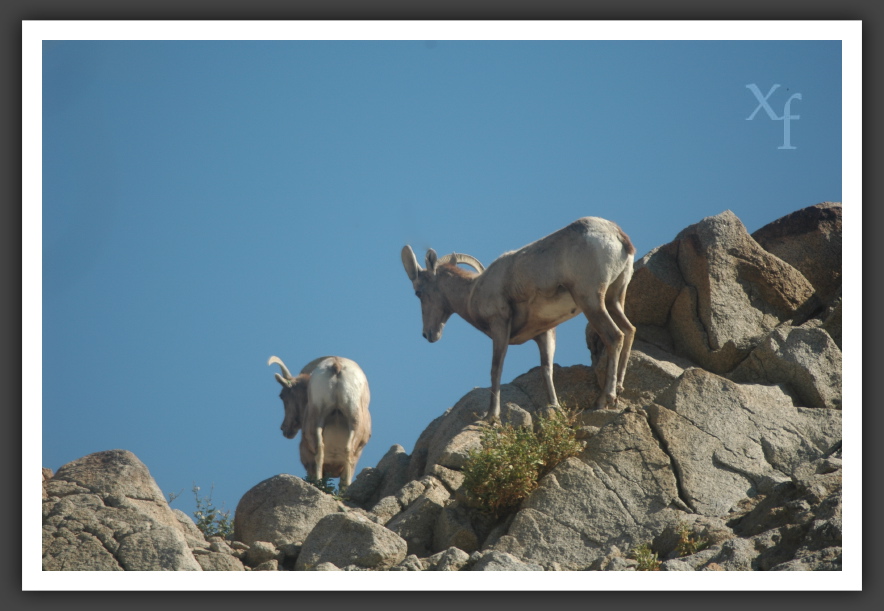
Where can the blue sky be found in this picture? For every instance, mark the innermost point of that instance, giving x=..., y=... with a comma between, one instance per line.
x=208, y=204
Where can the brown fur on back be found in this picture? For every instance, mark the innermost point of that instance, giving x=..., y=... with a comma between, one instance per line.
x=580, y=225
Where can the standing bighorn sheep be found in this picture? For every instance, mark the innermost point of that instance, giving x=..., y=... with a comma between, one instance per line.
x=328, y=403
x=526, y=293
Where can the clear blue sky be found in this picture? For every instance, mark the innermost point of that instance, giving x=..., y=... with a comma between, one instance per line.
x=206, y=205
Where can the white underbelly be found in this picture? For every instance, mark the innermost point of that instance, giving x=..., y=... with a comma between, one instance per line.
x=542, y=314
x=559, y=309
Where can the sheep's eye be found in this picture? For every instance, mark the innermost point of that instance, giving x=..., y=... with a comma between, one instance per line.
x=417, y=294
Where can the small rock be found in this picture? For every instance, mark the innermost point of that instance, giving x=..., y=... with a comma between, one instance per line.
x=261, y=552
x=326, y=566
x=270, y=565
x=502, y=561
x=411, y=563
x=452, y=559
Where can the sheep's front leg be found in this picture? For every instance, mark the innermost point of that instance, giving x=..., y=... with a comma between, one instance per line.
x=500, y=336
x=547, y=343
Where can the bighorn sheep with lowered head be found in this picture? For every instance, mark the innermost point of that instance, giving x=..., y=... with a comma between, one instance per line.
x=328, y=403
x=524, y=294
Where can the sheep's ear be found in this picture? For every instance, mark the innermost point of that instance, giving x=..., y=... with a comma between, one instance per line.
x=285, y=383
x=409, y=262
x=431, y=261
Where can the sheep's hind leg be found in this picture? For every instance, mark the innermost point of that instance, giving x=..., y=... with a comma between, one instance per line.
x=593, y=307
x=346, y=476
x=320, y=455
x=347, y=472
x=628, y=330
x=546, y=341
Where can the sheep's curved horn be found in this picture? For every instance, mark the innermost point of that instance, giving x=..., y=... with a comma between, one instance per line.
x=283, y=381
x=285, y=370
x=457, y=257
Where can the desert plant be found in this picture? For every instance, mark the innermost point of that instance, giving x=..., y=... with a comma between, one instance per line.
x=504, y=471
x=557, y=437
x=209, y=519
x=646, y=558
x=511, y=461
x=687, y=544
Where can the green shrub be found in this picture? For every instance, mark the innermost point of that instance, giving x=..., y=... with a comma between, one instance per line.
x=507, y=467
x=504, y=471
x=687, y=544
x=557, y=437
x=325, y=484
x=646, y=558
x=209, y=519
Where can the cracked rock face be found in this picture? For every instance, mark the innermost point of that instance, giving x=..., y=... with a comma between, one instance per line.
x=712, y=292
x=619, y=492
x=729, y=441
x=104, y=512
x=809, y=240
x=807, y=359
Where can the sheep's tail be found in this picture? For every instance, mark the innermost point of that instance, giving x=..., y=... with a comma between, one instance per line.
x=337, y=366
x=624, y=239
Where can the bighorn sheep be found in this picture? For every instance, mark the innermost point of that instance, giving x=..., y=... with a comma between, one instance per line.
x=526, y=293
x=328, y=403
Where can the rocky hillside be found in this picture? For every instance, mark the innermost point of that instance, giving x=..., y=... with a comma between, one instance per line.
x=728, y=437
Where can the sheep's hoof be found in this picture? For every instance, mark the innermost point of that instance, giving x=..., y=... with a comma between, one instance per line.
x=606, y=402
